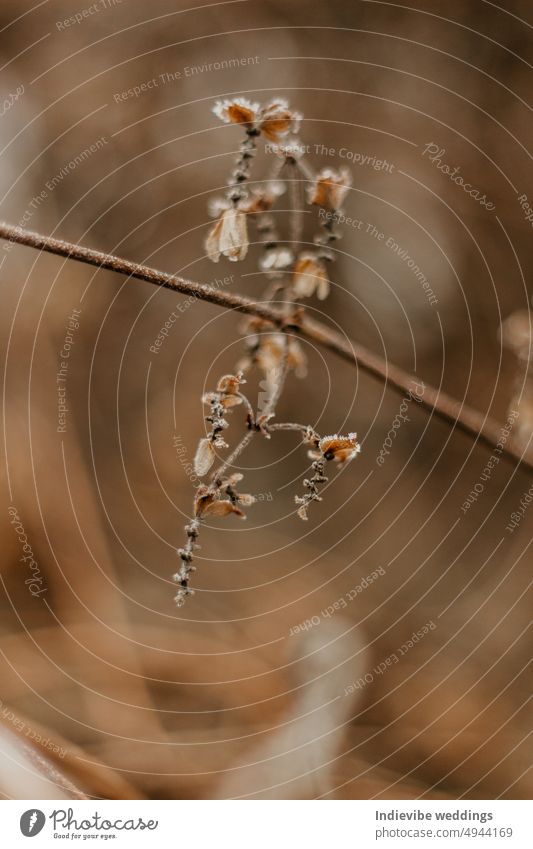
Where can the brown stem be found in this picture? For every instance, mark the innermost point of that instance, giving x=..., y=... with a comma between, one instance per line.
x=217, y=475
x=280, y=377
x=452, y=411
x=289, y=426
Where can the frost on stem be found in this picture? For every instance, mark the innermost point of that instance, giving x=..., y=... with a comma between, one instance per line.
x=292, y=274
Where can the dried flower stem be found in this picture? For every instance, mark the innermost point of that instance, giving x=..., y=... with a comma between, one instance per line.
x=478, y=426
x=218, y=474
x=279, y=383
x=289, y=426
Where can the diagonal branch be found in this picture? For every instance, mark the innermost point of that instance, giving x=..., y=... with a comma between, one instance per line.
x=454, y=412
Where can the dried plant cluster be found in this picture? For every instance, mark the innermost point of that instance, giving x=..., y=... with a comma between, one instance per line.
x=292, y=276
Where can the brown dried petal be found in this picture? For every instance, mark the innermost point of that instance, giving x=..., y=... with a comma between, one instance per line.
x=204, y=497
x=223, y=508
x=340, y=448
x=230, y=383
x=230, y=401
x=277, y=120
x=238, y=111
x=310, y=276
x=330, y=188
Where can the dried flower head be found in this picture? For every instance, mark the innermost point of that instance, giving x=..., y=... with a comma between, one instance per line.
x=230, y=384
x=310, y=276
x=330, y=188
x=237, y=111
x=228, y=236
x=223, y=507
x=277, y=120
x=270, y=346
x=341, y=449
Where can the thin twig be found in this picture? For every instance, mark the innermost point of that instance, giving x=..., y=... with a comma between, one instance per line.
x=217, y=475
x=454, y=412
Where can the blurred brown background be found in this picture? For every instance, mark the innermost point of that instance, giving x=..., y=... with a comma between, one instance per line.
x=217, y=699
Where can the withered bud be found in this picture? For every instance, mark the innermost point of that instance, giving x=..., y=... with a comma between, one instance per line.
x=330, y=188
x=229, y=384
x=236, y=111
x=310, y=276
x=341, y=449
x=222, y=507
x=277, y=120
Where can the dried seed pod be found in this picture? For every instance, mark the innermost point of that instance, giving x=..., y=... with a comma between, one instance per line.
x=204, y=457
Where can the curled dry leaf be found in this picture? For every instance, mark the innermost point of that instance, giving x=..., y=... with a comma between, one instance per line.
x=230, y=384
x=222, y=507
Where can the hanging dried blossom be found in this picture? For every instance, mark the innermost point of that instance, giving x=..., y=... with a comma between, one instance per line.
x=330, y=188
x=277, y=120
x=237, y=111
x=228, y=236
x=310, y=277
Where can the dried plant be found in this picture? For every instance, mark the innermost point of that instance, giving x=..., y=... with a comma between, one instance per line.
x=272, y=345
x=292, y=275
